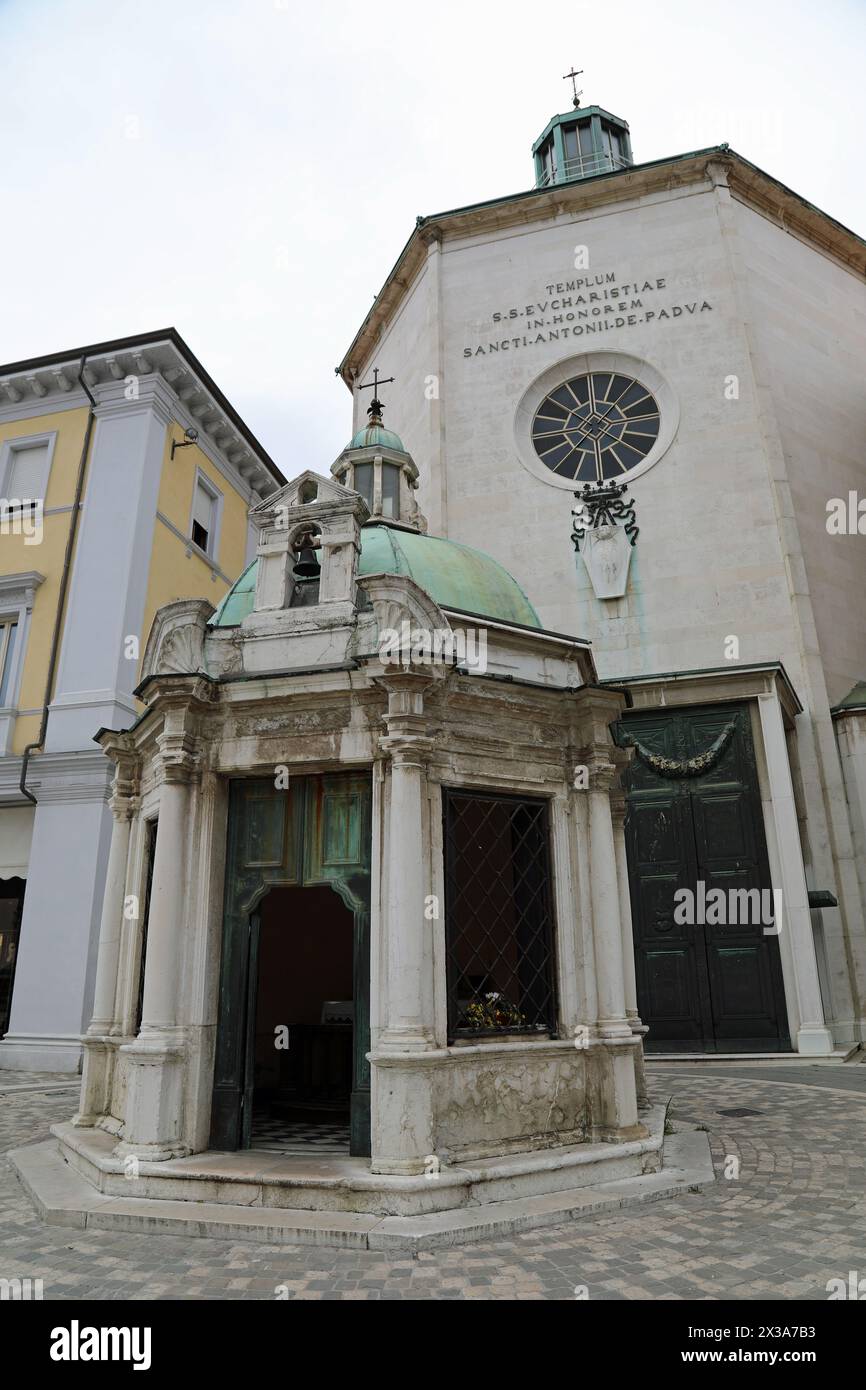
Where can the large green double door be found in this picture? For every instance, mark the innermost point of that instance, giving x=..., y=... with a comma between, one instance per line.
x=694, y=821
x=314, y=833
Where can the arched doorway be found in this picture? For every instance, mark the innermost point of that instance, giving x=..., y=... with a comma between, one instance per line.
x=301, y=1022
x=298, y=862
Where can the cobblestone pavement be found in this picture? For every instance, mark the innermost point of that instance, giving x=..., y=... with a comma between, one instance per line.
x=793, y=1218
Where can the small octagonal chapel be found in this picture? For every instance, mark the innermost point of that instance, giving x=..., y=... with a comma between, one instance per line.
x=366, y=918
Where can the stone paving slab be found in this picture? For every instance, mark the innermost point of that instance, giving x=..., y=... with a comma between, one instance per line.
x=790, y=1217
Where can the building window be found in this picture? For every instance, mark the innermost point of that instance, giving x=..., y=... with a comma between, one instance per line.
x=499, y=923
x=548, y=166
x=613, y=143
x=391, y=491
x=595, y=427
x=8, y=630
x=364, y=482
x=205, y=515
x=577, y=142
x=24, y=469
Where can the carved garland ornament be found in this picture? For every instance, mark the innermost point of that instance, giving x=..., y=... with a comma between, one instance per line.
x=681, y=767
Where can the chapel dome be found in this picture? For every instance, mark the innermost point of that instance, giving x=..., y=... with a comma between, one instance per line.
x=454, y=575
x=373, y=435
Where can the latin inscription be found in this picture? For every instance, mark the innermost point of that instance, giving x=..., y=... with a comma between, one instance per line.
x=585, y=306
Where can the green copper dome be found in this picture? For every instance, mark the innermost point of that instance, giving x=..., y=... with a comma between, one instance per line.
x=375, y=436
x=454, y=575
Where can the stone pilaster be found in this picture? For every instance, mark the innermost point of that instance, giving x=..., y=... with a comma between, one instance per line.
x=153, y=1112
x=402, y=1105
x=618, y=808
x=614, y=1094
x=99, y=1051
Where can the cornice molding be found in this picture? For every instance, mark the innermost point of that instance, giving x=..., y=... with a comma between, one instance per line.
x=167, y=376
x=59, y=777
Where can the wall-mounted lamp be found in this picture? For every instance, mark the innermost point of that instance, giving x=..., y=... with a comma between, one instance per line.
x=190, y=436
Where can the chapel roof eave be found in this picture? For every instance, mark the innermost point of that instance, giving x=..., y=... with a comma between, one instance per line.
x=768, y=194
x=853, y=703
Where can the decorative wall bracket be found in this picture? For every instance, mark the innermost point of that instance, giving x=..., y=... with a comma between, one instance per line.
x=604, y=521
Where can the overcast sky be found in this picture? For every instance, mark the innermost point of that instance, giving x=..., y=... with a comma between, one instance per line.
x=248, y=170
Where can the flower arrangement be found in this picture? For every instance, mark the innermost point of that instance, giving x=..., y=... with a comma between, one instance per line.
x=493, y=1011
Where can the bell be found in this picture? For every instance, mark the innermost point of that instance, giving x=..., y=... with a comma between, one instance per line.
x=307, y=565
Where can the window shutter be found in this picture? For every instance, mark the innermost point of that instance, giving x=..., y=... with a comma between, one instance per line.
x=203, y=516
x=27, y=475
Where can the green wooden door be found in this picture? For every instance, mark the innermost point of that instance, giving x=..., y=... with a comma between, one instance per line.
x=315, y=832
x=703, y=985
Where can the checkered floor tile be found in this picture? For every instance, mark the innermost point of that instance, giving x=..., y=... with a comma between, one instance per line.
x=300, y=1136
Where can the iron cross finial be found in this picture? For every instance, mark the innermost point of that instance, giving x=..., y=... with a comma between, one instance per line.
x=375, y=407
x=574, y=75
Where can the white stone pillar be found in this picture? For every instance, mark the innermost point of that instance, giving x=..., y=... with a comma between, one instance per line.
x=401, y=1079
x=615, y=1044
x=813, y=1036
x=619, y=808
x=153, y=1111
x=98, y=1049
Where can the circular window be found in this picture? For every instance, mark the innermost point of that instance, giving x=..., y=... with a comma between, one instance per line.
x=595, y=427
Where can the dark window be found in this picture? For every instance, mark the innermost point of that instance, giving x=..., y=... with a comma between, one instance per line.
x=613, y=142
x=577, y=141
x=498, y=914
x=364, y=482
x=391, y=491
x=596, y=427
x=149, y=854
x=545, y=156
x=11, y=907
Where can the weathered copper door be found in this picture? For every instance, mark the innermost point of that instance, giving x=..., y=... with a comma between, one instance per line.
x=702, y=985
x=315, y=832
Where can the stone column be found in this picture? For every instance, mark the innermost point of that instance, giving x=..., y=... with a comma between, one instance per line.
x=153, y=1112
x=813, y=1036
x=615, y=1094
x=618, y=807
x=98, y=1047
x=401, y=1089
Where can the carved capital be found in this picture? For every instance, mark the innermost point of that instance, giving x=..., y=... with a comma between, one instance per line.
x=120, y=748
x=605, y=764
x=179, y=756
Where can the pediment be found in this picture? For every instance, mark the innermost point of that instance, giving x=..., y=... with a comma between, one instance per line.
x=307, y=489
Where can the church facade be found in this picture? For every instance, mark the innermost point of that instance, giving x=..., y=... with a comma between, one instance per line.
x=684, y=338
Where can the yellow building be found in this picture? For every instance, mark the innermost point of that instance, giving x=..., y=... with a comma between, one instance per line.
x=126, y=478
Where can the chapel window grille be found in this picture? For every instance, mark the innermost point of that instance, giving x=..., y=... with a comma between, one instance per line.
x=498, y=914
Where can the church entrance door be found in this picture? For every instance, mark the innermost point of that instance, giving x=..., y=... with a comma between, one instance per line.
x=293, y=1029
x=709, y=976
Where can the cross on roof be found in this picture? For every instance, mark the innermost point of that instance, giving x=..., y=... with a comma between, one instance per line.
x=375, y=407
x=574, y=75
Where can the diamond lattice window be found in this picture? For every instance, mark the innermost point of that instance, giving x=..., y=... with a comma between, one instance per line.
x=499, y=927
